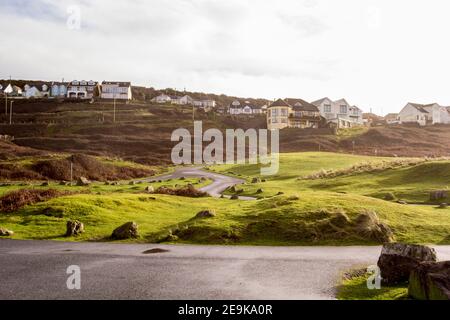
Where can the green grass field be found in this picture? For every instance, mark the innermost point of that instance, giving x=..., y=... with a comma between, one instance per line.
x=299, y=216
x=356, y=289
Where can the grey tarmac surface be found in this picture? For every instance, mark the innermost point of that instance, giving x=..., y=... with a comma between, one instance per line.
x=37, y=270
x=220, y=182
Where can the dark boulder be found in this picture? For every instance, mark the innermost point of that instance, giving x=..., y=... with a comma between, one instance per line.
x=397, y=260
x=128, y=230
x=206, y=214
x=74, y=228
x=430, y=281
x=82, y=181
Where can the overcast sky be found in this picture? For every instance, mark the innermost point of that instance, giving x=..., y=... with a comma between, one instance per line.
x=377, y=54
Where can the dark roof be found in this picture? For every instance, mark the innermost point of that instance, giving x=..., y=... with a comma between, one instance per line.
x=119, y=83
x=421, y=107
x=279, y=103
x=301, y=105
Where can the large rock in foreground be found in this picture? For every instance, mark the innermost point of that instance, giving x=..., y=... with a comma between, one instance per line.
x=74, y=228
x=5, y=232
x=397, y=260
x=128, y=230
x=430, y=281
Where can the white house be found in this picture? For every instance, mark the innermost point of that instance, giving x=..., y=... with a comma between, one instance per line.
x=32, y=92
x=82, y=89
x=235, y=107
x=340, y=112
x=116, y=90
x=184, y=100
x=58, y=90
x=424, y=114
x=206, y=104
x=244, y=108
x=162, y=98
x=11, y=90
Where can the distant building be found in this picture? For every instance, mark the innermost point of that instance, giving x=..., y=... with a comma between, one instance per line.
x=32, y=92
x=244, y=108
x=116, y=90
x=82, y=89
x=424, y=114
x=391, y=118
x=340, y=112
x=184, y=100
x=162, y=98
x=371, y=119
x=13, y=91
x=292, y=113
x=58, y=90
x=205, y=104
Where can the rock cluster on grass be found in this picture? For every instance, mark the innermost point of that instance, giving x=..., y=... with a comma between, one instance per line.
x=430, y=281
x=256, y=180
x=187, y=191
x=206, y=214
x=259, y=191
x=234, y=197
x=149, y=189
x=83, y=182
x=128, y=230
x=74, y=228
x=5, y=232
x=397, y=260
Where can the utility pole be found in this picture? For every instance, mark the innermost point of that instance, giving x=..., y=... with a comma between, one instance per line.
x=114, y=116
x=193, y=112
x=71, y=170
x=11, y=112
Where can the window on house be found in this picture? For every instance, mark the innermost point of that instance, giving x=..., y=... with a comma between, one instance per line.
x=284, y=112
x=343, y=109
x=327, y=108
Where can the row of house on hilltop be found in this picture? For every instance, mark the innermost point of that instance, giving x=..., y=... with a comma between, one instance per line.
x=423, y=114
x=206, y=104
x=238, y=107
x=74, y=90
x=298, y=113
x=412, y=113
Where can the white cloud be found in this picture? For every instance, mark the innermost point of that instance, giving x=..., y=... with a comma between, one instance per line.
x=378, y=54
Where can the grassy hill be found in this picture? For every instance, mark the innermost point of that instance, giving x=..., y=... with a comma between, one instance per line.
x=310, y=210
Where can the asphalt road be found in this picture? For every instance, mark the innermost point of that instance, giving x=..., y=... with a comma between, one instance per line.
x=37, y=270
x=220, y=182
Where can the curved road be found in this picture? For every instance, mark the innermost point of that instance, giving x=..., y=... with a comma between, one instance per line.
x=37, y=270
x=220, y=182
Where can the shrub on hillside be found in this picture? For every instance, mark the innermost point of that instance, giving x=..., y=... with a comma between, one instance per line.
x=188, y=191
x=89, y=167
x=18, y=199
